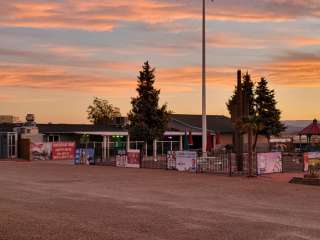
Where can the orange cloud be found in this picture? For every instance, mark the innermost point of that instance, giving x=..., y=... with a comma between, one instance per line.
x=299, y=70
x=232, y=40
x=105, y=15
x=294, y=69
x=52, y=77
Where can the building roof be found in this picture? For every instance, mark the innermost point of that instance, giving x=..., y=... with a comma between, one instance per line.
x=73, y=128
x=215, y=123
x=7, y=127
x=312, y=129
x=178, y=122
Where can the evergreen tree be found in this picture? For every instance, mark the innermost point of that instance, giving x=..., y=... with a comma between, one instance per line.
x=232, y=100
x=268, y=115
x=147, y=120
x=248, y=89
x=262, y=109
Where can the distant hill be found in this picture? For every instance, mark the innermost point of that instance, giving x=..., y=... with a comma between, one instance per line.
x=295, y=126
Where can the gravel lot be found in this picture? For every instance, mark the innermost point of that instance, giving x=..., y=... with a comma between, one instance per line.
x=50, y=200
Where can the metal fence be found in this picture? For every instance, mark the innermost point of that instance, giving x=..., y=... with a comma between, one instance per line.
x=218, y=164
x=150, y=162
x=225, y=163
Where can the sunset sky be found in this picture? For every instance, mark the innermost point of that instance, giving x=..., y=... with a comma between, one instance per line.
x=56, y=55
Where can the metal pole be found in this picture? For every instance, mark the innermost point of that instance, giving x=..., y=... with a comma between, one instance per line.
x=204, y=112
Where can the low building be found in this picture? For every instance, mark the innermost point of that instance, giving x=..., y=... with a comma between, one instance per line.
x=8, y=141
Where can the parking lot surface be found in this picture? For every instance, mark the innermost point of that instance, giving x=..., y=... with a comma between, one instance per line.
x=51, y=200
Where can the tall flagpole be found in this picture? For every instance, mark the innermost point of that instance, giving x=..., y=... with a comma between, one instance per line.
x=204, y=108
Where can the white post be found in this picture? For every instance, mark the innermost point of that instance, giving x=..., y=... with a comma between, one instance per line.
x=8, y=145
x=146, y=149
x=108, y=146
x=155, y=150
x=128, y=142
x=204, y=112
x=180, y=143
x=104, y=151
x=16, y=143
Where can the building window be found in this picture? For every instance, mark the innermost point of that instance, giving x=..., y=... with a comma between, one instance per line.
x=53, y=138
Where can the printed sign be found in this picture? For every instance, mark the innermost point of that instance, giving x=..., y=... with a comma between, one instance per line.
x=121, y=161
x=133, y=158
x=84, y=156
x=171, y=158
x=63, y=150
x=314, y=159
x=40, y=151
x=186, y=161
x=269, y=162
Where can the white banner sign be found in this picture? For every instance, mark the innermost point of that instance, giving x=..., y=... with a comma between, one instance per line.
x=269, y=162
x=121, y=161
x=186, y=161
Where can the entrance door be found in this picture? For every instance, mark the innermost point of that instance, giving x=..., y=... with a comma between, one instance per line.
x=12, y=145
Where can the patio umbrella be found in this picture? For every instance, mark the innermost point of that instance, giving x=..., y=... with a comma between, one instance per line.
x=209, y=142
x=190, y=138
x=218, y=138
x=185, y=141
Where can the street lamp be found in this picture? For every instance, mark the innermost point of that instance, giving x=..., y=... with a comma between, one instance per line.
x=204, y=107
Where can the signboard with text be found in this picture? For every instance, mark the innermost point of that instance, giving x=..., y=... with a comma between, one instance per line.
x=63, y=150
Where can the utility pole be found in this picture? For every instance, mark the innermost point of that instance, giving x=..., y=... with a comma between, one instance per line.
x=204, y=105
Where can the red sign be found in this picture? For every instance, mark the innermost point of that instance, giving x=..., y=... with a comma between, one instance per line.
x=133, y=158
x=63, y=150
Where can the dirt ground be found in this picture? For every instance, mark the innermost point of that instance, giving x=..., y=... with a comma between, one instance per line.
x=50, y=200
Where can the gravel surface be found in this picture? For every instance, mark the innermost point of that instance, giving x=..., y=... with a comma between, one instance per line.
x=49, y=200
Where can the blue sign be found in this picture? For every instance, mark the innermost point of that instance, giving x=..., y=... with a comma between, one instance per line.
x=84, y=156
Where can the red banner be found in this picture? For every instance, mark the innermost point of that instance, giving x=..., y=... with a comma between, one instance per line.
x=63, y=150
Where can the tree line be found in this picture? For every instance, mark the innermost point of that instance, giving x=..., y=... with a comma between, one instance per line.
x=263, y=115
x=148, y=120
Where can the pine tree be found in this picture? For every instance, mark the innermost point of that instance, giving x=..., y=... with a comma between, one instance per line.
x=248, y=89
x=147, y=120
x=267, y=112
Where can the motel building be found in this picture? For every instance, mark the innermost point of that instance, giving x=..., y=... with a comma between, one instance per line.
x=183, y=133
